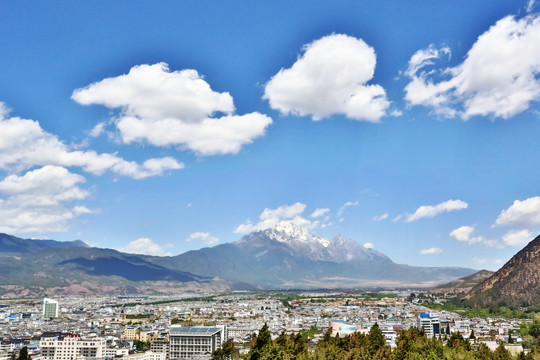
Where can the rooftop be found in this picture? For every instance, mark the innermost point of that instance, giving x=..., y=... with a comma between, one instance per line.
x=194, y=330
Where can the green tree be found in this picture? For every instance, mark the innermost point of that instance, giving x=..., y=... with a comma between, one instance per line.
x=483, y=352
x=23, y=354
x=263, y=345
x=529, y=342
x=141, y=345
x=457, y=341
x=534, y=330
x=226, y=351
x=501, y=353
x=376, y=339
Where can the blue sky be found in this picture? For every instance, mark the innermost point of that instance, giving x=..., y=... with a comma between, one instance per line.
x=165, y=126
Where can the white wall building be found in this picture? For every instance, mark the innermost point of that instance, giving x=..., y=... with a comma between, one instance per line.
x=430, y=323
x=195, y=342
x=69, y=348
x=148, y=355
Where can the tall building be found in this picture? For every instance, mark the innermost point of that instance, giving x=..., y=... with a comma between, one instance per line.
x=50, y=308
x=195, y=342
x=430, y=323
x=72, y=347
x=160, y=346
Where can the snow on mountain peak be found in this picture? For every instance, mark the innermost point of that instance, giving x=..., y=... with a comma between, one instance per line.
x=287, y=231
x=299, y=242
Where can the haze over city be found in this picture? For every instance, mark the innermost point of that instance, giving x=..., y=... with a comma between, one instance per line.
x=162, y=127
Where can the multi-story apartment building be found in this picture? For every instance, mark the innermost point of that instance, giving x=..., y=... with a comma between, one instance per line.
x=430, y=323
x=160, y=346
x=71, y=347
x=195, y=342
x=131, y=332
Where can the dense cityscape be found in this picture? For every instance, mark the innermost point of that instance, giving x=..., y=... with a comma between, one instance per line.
x=194, y=326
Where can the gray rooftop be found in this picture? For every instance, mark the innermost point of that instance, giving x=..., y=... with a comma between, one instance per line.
x=194, y=330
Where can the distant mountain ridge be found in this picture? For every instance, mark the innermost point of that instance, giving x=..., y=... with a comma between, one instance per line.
x=286, y=256
x=13, y=244
x=516, y=284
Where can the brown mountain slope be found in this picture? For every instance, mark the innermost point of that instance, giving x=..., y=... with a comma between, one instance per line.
x=516, y=284
x=462, y=285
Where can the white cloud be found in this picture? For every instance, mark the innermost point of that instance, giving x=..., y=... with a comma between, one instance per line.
x=24, y=144
x=463, y=234
x=530, y=6
x=270, y=218
x=319, y=212
x=368, y=245
x=330, y=77
x=429, y=211
x=521, y=213
x=345, y=206
x=174, y=108
x=512, y=238
x=517, y=238
x=380, y=217
x=491, y=80
x=97, y=130
x=145, y=246
x=41, y=200
x=482, y=261
x=203, y=237
x=431, y=251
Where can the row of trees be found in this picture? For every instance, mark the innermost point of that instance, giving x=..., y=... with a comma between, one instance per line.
x=411, y=344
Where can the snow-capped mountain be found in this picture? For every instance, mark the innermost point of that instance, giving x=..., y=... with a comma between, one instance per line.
x=289, y=256
x=299, y=242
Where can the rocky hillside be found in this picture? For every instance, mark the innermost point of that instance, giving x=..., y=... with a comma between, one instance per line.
x=516, y=284
x=462, y=285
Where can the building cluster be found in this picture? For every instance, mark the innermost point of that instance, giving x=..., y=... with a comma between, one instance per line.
x=170, y=328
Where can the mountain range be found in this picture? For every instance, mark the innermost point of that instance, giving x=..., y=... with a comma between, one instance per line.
x=286, y=256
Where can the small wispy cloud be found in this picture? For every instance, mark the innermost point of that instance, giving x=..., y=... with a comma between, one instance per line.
x=380, y=217
x=345, y=206
x=203, y=237
x=147, y=247
x=431, y=251
x=429, y=211
x=319, y=212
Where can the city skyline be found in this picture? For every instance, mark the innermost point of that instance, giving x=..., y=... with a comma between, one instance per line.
x=164, y=127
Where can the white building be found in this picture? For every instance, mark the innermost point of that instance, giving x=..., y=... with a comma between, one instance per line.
x=69, y=348
x=430, y=323
x=50, y=308
x=148, y=355
x=195, y=342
